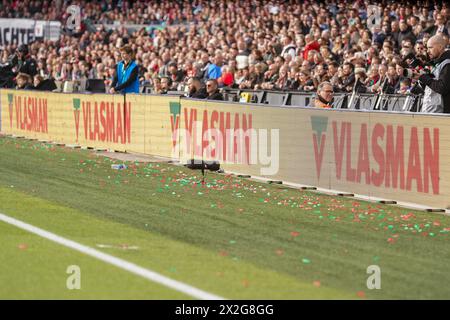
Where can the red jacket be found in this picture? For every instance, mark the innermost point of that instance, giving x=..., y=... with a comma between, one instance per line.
x=310, y=46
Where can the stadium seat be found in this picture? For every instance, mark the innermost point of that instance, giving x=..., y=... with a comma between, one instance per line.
x=82, y=85
x=366, y=101
x=299, y=99
x=95, y=86
x=68, y=87
x=176, y=93
x=147, y=90
x=245, y=97
x=381, y=102
x=59, y=86
x=396, y=103
x=251, y=96
x=340, y=101
x=275, y=98
x=230, y=96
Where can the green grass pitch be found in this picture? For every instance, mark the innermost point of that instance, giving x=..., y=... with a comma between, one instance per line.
x=231, y=237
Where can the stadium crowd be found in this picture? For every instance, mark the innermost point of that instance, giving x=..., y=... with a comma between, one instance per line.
x=277, y=45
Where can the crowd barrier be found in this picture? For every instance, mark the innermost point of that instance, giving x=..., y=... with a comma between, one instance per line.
x=354, y=101
x=389, y=155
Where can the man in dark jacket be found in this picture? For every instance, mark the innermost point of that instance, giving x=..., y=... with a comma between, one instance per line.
x=23, y=63
x=437, y=83
x=196, y=90
x=405, y=33
x=212, y=88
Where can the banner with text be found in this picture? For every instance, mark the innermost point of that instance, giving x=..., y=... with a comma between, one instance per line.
x=393, y=156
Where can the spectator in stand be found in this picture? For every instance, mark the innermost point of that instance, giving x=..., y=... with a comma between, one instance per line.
x=227, y=77
x=176, y=75
x=37, y=80
x=212, y=89
x=405, y=86
x=347, y=79
x=166, y=84
x=439, y=26
x=324, y=95
x=305, y=83
x=324, y=36
x=289, y=47
x=242, y=56
x=23, y=62
x=311, y=44
x=214, y=70
x=393, y=80
x=156, y=88
x=23, y=82
x=195, y=89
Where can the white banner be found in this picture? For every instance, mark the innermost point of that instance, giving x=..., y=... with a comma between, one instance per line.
x=25, y=31
x=17, y=31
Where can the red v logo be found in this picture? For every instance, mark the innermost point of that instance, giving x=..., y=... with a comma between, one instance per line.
x=76, y=114
x=319, y=126
x=10, y=114
x=319, y=144
x=174, y=123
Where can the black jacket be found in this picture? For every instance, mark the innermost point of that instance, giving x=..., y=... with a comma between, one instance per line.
x=441, y=85
x=199, y=94
x=215, y=96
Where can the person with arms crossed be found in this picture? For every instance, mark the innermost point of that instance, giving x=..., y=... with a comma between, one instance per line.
x=126, y=75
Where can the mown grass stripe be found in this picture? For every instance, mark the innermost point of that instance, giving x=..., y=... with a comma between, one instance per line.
x=120, y=263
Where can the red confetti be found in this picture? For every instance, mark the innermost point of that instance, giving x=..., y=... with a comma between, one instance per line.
x=23, y=246
x=406, y=217
x=223, y=253
x=316, y=283
x=391, y=240
x=295, y=233
x=279, y=252
x=361, y=294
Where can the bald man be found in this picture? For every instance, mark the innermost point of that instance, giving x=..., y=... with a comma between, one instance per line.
x=436, y=98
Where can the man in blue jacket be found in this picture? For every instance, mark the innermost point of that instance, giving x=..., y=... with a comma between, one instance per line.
x=126, y=76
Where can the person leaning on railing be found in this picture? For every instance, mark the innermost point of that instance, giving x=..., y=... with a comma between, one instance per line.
x=324, y=95
x=126, y=75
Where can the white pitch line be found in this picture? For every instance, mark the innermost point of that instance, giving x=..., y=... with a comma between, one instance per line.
x=122, y=264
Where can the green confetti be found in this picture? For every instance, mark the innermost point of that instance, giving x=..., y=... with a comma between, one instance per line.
x=306, y=261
